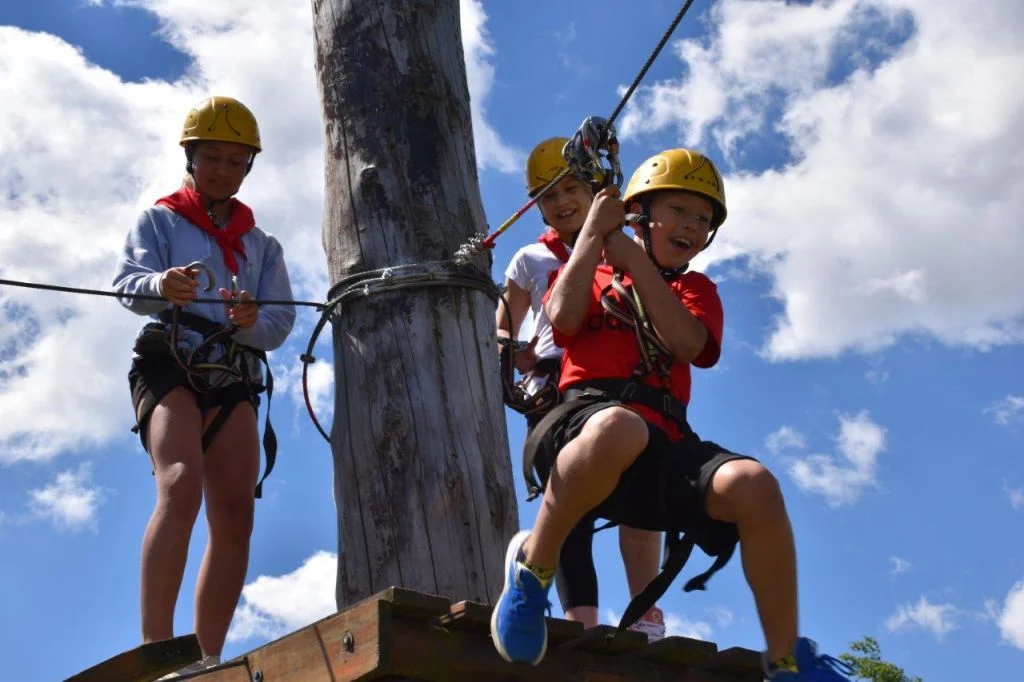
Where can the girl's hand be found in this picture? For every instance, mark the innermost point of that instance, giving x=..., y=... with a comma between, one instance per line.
x=178, y=285
x=243, y=314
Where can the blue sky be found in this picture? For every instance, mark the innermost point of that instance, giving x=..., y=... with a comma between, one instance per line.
x=869, y=271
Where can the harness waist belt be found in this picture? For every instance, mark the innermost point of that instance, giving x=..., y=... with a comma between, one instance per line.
x=632, y=391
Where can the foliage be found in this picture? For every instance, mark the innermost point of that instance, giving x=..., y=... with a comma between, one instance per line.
x=867, y=663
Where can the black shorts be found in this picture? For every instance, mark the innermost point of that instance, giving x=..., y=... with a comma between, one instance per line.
x=150, y=379
x=663, y=490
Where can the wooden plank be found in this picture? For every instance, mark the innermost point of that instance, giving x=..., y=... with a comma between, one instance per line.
x=681, y=651
x=237, y=672
x=605, y=639
x=742, y=665
x=470, y=616
x=475, y=617
x=414, y=605
x=440, y=655
x=356, y=642
x=144, y=663
x=298, y=657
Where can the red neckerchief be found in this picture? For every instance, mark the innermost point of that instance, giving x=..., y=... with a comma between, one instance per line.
x=555, y=244
x=187, y=203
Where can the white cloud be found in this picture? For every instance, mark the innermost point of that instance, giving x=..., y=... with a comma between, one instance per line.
x=678, y=626
x=1007, y=410
x=491, y=152
x=89, y=151
x=1015, y=496
x=288, y=380
x=273, y=606
x=899, y=566
x=893, y=147
x=841, y=479
x=68, y=502
x=877, y=376
x=721, y=614
x=786, y=438
x=1011, y=617
x=321, y=387
x=938, y=619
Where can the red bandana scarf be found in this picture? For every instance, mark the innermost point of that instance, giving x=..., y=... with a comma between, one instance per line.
x=187, y=203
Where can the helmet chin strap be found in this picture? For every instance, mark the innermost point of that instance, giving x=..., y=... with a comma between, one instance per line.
x=644, y=221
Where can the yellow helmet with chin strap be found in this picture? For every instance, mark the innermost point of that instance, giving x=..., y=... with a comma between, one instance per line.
x=680, y=169
x=545, y=162
x=221, y=119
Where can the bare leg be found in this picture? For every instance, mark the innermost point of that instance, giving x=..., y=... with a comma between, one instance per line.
x=583, y=614
x=232, y=468
x=641, y=556
x=173, y=436
x=745, y=493
x=585, y=473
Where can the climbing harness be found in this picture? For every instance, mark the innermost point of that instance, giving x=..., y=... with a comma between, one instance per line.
x=210, y=364
x=514, y=393
x=196, y=366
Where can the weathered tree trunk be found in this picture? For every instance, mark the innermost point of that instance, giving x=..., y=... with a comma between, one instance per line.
x=422, y=477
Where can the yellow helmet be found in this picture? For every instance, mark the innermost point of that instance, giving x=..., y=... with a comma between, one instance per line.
x=545, y=162
x=221, y=119
x=680, y=169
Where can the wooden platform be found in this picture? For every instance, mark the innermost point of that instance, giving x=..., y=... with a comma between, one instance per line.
x=401, y=635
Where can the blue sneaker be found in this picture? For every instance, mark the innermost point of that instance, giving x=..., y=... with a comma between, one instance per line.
x=813, y=667
x=517, y=623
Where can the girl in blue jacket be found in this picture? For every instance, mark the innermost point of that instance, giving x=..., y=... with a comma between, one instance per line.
x=196, y=373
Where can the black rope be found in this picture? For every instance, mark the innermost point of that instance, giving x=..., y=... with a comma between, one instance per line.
x=650, y=60
x=146, y=297
x=394, y=278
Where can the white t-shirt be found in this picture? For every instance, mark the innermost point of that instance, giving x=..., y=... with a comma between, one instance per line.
x=530, y=270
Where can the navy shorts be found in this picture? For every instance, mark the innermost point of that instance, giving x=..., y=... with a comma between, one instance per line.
x=150, y=379
x=663, y=490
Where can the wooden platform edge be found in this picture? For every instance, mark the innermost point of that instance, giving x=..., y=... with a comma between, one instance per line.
x=144, y=663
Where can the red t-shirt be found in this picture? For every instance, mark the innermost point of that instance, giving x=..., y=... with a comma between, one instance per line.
x=606, y=348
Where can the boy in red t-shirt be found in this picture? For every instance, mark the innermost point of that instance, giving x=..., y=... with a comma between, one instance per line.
x=564, y=208
x=621, y=447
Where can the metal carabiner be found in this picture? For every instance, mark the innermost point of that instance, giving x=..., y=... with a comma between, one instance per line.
x=583, y=153
x=198, y=266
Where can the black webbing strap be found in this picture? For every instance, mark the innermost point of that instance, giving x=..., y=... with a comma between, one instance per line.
x=678, y=547
x=534, y=440
x=597, y=390
x=678, y=544
x=634, y=391
x=269, y=437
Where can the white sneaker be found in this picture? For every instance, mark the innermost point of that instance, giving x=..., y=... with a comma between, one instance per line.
x=205, y=663
x=651, y=624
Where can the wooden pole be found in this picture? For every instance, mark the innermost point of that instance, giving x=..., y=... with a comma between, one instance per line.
x=422, y=477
